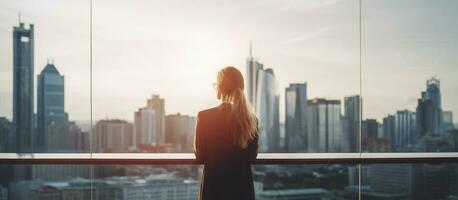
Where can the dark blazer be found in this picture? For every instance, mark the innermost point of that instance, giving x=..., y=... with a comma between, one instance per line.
x=227, y=170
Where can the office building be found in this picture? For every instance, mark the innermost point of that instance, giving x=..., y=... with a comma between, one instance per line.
x=145, y=126
x=389, y=130
x=158, y=105
x=296, y=118
x=23, y=88
x=263, y=94
x=52, y=120
x=113, y=136
x=352, y=117
x=267, y=108
x=429, y=110
x=405, y=134
x=324, y=126
x=369, y=128
x=179, y=131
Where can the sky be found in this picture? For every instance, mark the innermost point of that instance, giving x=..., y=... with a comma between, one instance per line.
x=175, y=48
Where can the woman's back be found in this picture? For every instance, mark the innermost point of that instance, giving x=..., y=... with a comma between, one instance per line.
x=226, y=141
x=227, y=171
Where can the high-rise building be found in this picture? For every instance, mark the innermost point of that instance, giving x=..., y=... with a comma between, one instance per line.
x=180, y=130
x=113, y=136
x=389, y=130
x=324, y=126
x=296, y=118
x=429, y=110
x=158, y=105
x=267, y=108
x=405, y=135
x=253, y=68
x=52, y=120
x=23, y=98
x=352, y=116
x=263, y=94
x=145, y=126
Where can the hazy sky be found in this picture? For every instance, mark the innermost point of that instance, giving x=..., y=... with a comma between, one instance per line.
x=174, y=48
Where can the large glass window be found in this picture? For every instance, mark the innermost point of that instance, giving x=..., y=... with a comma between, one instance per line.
x=337, y=79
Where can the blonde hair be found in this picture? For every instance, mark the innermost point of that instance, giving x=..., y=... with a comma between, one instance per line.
x=243, y=120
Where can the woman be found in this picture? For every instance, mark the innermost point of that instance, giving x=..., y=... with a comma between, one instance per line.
x=226, y=141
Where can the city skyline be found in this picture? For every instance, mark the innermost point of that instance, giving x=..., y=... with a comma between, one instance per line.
x=283, y=51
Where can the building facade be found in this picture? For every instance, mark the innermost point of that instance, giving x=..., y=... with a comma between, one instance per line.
x=324, y=128
x=296, y=118
x=23, y=89
x=52, y=120
x=352, y=118
x=113, y=136
x=145, y=126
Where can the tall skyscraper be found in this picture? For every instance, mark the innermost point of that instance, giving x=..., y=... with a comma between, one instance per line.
x=267, y=108
x=296, y=118
x=429, y=110
x=23, y=98
x=52, y=120
x=262, y=90
x=352, y=115
x=324, y=126
x=145, y=126
x=113, y=136
x=158, y=105
x=253, y=68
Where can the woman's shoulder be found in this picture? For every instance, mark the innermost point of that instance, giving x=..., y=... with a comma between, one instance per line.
x=209, y=112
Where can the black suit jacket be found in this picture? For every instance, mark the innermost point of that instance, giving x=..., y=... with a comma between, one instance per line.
x=227, y=169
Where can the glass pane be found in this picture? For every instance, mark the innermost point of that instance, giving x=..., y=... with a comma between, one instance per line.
x=409, y=76
x=409, y=181
x=56, y=182
x=155, y=62
x=45, y=76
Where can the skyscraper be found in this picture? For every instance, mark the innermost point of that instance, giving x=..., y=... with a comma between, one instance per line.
x=262, y=90
x=145, y=126
x=52, y=120
x=352, y=115
x=296, y=118
x=158, y=105
x=23, y=98
x=429, y=110
x=324, y=126
x=267, y=108
x=253, y=68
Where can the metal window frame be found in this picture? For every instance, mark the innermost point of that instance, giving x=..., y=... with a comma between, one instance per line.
x=189, y=158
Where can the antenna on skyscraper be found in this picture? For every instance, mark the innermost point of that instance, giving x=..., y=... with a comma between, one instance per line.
x=19, y=17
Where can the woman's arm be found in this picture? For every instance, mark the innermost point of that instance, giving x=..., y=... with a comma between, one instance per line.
x=253, y=149
x=198, y=141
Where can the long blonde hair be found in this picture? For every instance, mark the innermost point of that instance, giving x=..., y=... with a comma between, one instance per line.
x=243, y=120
